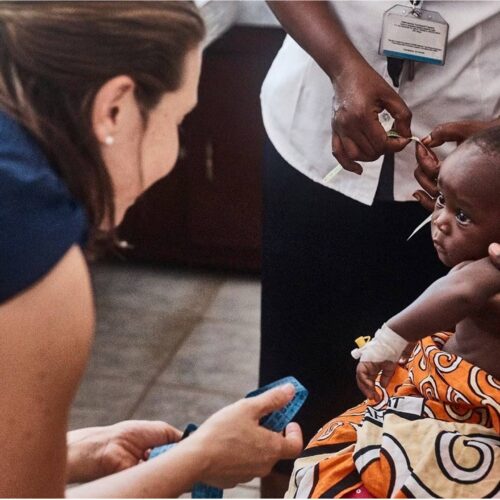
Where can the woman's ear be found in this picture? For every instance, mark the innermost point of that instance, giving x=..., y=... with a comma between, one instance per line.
x=113, y=107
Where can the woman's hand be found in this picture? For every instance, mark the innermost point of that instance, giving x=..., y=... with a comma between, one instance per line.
x=235, y=448
x=360, y=95
x=95, y=452
x=428, y=163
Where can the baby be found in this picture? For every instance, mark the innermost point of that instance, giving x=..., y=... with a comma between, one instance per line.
x=465, y=221
x=430, y=428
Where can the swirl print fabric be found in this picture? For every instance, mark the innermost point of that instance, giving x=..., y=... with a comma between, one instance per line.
x=434, y=433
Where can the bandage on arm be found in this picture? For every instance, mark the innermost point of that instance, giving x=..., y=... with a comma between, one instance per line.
x=387, y=345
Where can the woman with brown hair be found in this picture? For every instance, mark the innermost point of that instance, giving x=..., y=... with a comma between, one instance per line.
x=91, y=95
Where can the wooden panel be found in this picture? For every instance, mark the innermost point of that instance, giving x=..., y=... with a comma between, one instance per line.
x=208, y=211
x=225, y=205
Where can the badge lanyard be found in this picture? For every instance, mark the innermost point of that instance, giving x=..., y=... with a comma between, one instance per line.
x=413, y=34
x=410, y=34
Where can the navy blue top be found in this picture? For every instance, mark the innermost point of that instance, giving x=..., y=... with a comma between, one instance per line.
x=39, y=219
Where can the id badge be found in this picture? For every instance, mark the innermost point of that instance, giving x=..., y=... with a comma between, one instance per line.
x=416, y=34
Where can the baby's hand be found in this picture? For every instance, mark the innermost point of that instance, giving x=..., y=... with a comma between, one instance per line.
x=366, y=374
x=407, y=353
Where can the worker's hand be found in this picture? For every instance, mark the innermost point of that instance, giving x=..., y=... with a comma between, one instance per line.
x=367, y=372
x=456, y=131
x=428, y=163
x=494, y=252
x=360, y=95
x=426, y=173
x=235, y=448
x=95, y=452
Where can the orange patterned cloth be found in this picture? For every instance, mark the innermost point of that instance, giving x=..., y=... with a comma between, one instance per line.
x=434, y=433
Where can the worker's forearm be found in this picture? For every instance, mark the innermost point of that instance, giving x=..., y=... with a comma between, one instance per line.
x=316, y=28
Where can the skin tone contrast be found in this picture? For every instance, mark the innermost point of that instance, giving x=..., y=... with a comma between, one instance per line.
x=465, y=224
x=45, y=351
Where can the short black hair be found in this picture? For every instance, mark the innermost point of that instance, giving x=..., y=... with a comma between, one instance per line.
x=487, y=140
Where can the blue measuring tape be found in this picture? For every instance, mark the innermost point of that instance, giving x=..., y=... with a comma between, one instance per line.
x=275, y=421
x=199, y=490
x=278, y=420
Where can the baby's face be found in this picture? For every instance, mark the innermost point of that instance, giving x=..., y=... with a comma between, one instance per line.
x=466, y=216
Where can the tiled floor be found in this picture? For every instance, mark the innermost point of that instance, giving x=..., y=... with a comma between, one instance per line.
x=171, y=344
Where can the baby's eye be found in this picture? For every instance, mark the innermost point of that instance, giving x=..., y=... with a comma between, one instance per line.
x=462, y=217
x=440, y=201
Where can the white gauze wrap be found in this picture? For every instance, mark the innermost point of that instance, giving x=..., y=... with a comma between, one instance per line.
x=387, y=345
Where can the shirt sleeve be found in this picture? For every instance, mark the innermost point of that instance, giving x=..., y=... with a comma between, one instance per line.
x=39, y=220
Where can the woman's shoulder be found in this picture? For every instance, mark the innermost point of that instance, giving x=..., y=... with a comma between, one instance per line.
x=39, y=219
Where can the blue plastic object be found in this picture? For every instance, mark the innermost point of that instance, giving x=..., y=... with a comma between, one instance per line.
x=159, y=450
x=278, y=420
x=200, y=490
x=275, y=421
x=162, y=449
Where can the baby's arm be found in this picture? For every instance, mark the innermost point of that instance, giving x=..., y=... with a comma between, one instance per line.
x=462, y=292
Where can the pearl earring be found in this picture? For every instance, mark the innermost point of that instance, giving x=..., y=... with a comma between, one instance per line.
x=109, y=140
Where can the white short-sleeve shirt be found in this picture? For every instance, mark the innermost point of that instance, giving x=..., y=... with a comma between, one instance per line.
x=297, y=95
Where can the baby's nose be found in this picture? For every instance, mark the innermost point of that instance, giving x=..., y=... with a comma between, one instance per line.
x=442, y=222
